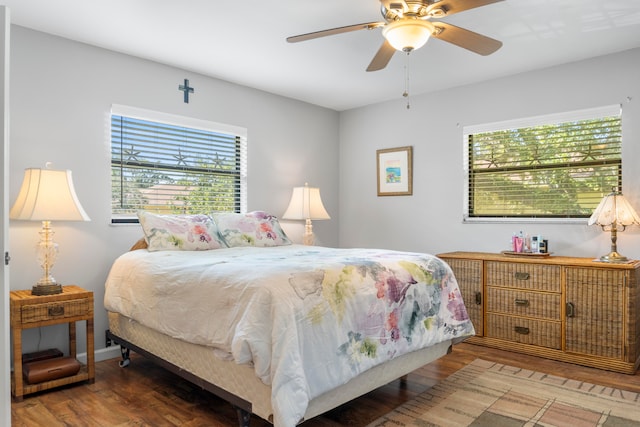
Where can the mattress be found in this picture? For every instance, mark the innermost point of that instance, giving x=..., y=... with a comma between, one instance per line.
x=241, y=381
x=305, y=320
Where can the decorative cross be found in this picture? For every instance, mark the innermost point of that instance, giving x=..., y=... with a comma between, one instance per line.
x=186, y=89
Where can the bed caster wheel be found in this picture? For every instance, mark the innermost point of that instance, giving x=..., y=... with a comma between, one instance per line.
x=124, y=352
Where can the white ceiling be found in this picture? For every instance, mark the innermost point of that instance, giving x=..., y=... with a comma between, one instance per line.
x=244, y=41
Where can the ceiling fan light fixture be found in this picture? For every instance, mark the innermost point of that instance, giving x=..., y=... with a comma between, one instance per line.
x=408, y=34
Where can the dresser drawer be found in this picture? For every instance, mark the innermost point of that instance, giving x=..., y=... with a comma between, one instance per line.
x=33, y=313
x=523, y=303
x=523, y=330
x=595, y=277
x=538, y=277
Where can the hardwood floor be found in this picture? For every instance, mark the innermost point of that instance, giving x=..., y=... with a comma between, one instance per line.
x=146, y=395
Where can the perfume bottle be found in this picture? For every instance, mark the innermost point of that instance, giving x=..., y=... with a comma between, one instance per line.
x=534, y=244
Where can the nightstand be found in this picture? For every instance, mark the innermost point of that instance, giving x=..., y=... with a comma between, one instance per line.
x=29, y=311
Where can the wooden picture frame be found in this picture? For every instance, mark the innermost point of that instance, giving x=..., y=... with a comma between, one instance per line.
x=395, y=171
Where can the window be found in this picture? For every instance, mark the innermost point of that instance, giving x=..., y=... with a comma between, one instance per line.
x=557, y=166
x=172, y=164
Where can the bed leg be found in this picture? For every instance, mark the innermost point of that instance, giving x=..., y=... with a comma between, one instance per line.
x=403, y=381
x=243, y=417
x=124, y=352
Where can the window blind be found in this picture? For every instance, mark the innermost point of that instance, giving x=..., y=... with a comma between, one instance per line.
x=165, y=167
x=558, y=167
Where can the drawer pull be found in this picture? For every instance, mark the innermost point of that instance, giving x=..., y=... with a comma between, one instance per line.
x=479, y=298
x=571, y=309
x=522, y=276
x=522, y=302
x=522, y=330
x=57, y=310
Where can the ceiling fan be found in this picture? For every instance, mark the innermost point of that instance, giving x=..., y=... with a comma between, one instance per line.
x=408, y=25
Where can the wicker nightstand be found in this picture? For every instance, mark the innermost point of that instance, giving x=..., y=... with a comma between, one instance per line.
x=28, y=311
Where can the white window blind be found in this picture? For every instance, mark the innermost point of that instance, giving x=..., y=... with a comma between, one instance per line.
x=555, y=166
x=171, y=164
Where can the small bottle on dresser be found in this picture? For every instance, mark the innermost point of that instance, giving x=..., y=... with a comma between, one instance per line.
x=534, y=244
x=542, y=245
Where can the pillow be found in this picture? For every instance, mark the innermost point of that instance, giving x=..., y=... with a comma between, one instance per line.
x=251, y=229
x=179, y=232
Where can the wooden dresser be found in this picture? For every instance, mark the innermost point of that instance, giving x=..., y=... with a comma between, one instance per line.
x=570, y=309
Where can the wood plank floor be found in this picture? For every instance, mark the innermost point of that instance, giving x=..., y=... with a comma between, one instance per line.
x=146, y=395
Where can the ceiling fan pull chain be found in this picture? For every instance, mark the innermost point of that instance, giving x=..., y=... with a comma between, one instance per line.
x=406, y=82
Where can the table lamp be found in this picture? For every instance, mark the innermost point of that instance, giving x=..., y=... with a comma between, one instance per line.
x=613, y=212
x=47, y=195
x=306, y=204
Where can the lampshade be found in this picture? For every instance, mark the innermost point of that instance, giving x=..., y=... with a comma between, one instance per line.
x=614, y=209
x=47, y=195
x=306, y=204
x=614, y=213
x=408, y=34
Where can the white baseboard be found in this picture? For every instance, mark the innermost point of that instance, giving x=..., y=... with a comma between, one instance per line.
x=101, y=354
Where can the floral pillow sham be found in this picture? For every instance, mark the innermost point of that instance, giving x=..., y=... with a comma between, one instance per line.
x=179, y=232
x=256, y=228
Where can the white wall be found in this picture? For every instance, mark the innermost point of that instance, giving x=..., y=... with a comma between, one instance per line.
x=62, y=93
x=431, y=219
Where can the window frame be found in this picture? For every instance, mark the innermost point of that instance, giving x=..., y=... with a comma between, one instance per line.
x=178, y=121
x=547, y=119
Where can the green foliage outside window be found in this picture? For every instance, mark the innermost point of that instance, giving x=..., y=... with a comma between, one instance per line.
x=546, y=171
x=172, y=169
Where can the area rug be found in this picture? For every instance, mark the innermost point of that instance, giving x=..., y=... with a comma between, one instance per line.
x=487, y=394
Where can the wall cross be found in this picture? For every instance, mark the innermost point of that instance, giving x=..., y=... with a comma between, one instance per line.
x=186, y=89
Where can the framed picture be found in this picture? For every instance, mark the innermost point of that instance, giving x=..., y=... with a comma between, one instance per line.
x=395, y=174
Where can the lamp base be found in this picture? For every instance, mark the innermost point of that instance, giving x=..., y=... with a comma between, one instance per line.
x=46, y=289
x=613, y=256
x=308, y=237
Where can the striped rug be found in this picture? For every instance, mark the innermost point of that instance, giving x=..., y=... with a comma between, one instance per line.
x=487, y=394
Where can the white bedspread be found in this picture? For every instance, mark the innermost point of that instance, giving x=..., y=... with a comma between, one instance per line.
x=307, y=318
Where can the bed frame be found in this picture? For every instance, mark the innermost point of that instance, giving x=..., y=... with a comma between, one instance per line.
x=238, y=384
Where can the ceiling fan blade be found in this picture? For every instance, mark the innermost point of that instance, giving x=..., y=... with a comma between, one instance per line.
x=466, y=39
x=333, y=31
x=444, y=8
x=382, y=57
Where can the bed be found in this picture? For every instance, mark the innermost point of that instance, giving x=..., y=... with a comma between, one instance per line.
x=282, y=331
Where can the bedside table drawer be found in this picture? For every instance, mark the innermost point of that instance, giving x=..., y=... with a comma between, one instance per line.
x=522, y=303
x=527, y=331
x=32, y=313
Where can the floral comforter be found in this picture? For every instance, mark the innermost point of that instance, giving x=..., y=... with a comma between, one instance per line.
x=307, y=318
